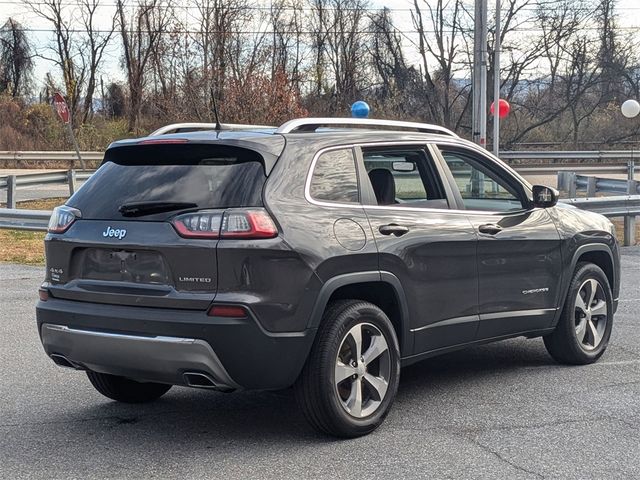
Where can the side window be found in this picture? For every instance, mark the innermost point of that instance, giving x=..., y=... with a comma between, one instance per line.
x=480, y=188
x=404, y=178
x=334, y=177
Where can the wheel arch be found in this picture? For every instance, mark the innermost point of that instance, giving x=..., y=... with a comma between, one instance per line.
x=597, y=253
x=383, y=289
x=600, y=255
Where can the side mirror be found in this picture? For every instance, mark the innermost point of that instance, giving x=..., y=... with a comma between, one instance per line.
x=544, y=197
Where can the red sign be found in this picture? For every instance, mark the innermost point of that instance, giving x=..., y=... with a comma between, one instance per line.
x=61, y=107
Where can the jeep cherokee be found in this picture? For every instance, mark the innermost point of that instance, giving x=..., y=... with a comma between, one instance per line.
x=324, y=255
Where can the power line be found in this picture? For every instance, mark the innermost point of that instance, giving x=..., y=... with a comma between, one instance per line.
x=312, y=9
x=171, y=31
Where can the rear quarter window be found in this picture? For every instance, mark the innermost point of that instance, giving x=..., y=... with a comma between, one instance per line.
x=334, y=178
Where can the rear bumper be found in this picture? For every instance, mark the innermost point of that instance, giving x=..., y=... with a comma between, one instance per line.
x=155, y=359
x=162, y=345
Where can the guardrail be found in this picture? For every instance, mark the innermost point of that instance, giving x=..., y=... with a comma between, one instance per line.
x=570, y=155
x=36, y=156
x=19, y=219
x=506, y=154
x=571, y=182
x=627, y=206
x=14, y=182
x=619, y=161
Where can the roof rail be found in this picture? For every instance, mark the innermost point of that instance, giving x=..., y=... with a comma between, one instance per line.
x=312, y=124
x=190, y=127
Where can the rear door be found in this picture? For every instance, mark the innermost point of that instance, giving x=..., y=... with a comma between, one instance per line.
x=519, y=259
x=124, y=249
x=431, y=250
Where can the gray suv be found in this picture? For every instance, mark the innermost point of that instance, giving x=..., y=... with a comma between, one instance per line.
x=324, y=255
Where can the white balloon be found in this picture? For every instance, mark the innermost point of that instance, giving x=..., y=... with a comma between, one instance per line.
x=630, y=108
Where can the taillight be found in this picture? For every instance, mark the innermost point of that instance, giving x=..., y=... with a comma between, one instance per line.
x=202, y=224
x=233, y=223
x=43, y=294
x=248, y=224
x=62, y=218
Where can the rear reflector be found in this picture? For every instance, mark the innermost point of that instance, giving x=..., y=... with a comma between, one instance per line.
x=43, y=293
x=235, y=223
x=228, y=311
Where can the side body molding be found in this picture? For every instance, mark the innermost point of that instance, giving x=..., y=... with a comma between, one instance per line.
x=333, y=284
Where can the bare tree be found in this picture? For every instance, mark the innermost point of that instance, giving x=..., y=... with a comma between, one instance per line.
x=92, y=49
x=220, y=22
x=287, y=56
x=16, y=63
x=386, y=54
x=140, y=30
x=65, y=54
x=339, y=40
x=441, y=34
x=77, y=52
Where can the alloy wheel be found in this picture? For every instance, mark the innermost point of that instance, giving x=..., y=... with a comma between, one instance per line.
x=590, y=314
x=362, y=370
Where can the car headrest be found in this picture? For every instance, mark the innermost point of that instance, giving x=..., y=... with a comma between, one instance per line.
x=383, y=185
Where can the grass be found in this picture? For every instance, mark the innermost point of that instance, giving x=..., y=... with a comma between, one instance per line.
x=27, y=248
x=619, y=224
x=17, y=246
x=42, y=204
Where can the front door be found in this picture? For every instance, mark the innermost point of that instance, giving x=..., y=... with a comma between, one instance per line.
x=519, y=259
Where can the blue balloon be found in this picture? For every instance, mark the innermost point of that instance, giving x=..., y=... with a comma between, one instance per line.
x=360, y=109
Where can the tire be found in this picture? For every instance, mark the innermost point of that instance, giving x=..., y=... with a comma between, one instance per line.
x=333, y=407
x=584, y=328
x=124, y=390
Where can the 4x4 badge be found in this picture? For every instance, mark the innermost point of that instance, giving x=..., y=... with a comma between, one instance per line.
x=118, y=233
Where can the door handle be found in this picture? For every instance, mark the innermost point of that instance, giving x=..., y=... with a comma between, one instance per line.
x=393, y=229
x=490, y=228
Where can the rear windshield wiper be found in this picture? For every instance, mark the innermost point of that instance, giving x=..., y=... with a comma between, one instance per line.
x=138, y=209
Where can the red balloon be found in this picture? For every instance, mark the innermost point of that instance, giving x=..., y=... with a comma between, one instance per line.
x=503, y=108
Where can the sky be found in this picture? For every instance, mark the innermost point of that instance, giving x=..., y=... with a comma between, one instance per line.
x=629, y=17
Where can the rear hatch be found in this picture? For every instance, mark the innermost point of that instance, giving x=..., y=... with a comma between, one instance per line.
x=143, y=229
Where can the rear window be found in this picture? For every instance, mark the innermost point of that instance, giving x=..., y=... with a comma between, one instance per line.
x=210, y=176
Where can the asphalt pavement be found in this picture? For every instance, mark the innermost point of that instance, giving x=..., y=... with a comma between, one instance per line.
x=504, y=410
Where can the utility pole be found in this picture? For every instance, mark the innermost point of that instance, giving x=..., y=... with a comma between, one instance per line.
x=496, y=82
x=479, y=88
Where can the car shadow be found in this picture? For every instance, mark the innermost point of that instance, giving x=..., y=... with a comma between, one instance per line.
x=211, y=420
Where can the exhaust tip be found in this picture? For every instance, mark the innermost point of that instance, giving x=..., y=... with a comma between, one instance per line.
x=62, y=361
x=199, y=380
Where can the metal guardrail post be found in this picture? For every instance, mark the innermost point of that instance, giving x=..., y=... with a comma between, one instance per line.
x=560, y=181
x=629, y=233
x=591, y=187
x=11, y=191
x=572, y=183
x=71, y=178
x=629, y=230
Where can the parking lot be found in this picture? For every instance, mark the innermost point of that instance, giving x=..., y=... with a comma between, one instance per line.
x=497, y=411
